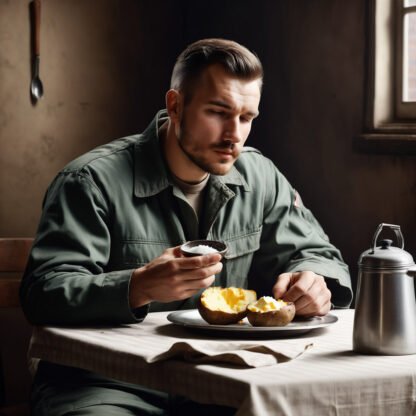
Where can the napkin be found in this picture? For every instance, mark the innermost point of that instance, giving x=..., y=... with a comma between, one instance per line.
x=235, y=353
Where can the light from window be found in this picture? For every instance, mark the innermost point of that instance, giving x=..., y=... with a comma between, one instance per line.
x=405, y=57
x=409, y=56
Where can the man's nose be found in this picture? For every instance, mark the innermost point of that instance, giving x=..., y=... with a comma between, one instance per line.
x=233, y=130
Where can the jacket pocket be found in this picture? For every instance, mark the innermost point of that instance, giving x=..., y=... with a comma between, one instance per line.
x=238, y=258
x=243, y=244
x=137, y=253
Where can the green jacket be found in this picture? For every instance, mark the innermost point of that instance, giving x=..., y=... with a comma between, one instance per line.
x=115, y=209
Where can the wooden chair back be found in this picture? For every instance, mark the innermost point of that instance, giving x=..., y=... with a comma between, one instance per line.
x=15, y=331
x=14, y=253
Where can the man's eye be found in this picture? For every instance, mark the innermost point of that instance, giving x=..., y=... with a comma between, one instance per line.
x=218, y=113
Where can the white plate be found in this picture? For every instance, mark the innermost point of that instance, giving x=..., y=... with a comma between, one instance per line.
x=192, y=319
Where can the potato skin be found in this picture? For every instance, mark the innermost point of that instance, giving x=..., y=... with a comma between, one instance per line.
x=281, y=317
x=219, y=317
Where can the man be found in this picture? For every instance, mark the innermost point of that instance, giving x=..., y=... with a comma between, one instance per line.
x=107, y=248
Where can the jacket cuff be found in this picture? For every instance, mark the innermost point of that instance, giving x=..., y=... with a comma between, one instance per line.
x=341, y=295
x=141, y=313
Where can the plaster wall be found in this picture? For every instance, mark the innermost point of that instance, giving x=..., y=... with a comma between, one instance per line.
x=103, y=78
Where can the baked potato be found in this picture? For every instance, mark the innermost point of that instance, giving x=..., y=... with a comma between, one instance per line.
x=224, y=306
x=268, y=311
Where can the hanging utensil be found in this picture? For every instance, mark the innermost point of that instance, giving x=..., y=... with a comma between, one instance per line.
x=36, y=87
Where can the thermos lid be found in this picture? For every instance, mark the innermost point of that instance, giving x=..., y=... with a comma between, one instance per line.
x=385, y=255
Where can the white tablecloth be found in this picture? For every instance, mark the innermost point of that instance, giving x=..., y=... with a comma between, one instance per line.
x=328, y=379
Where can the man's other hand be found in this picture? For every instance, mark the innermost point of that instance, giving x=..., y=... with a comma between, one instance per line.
x=307, y=290
x=172, y=276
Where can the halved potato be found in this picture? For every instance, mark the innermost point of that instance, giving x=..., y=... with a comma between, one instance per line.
x=268, y=311
x=223, y=306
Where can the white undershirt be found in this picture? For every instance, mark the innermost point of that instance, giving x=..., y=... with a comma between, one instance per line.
x=194, y=192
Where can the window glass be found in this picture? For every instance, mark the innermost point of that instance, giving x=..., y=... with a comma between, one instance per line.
x=409, y=57
x=409, y=3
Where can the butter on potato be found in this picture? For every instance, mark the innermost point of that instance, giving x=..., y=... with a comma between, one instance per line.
x=268, y=311
x=224, y=306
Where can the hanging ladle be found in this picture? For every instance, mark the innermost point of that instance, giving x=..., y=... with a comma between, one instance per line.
x=36, y=87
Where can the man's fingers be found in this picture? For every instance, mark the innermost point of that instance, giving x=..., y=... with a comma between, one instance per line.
x=317, y=295
x=200, y=273
x=197, y=262
x=311, y=296
x=315, y=310
x=178, y=270
x=191, y=287
x=196, y=285
x=282, y=285
x=300, y=285
x=176, y=251
x=307, y=290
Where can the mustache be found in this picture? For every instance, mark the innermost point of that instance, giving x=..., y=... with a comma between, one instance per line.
x=224, y=146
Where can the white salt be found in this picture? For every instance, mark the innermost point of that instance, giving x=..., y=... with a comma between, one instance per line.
x=202, y=249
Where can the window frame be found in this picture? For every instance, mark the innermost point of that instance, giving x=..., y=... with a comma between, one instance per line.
x=384, y=131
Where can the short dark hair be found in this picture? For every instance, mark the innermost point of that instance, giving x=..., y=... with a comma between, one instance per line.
x=236, y=60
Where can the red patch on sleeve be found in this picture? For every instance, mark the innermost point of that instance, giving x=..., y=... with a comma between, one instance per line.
x=298, y=201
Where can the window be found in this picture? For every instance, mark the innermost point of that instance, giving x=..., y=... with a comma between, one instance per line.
x=406, y=59
x=390, y=120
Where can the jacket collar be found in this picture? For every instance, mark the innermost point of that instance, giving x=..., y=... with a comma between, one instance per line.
x=151, y=174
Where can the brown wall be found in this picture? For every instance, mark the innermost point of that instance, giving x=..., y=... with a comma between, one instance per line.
x=98, y=86
x=105, y=66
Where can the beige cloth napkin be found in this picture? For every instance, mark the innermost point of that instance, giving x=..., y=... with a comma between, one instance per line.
x=235, y=353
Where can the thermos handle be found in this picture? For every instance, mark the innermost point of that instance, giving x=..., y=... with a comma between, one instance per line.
x=412, y=271
x=395, y=228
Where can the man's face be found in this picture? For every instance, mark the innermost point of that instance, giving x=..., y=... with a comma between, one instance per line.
x=216, y=122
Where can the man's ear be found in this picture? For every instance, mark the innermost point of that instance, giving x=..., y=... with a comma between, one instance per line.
x=174, y=104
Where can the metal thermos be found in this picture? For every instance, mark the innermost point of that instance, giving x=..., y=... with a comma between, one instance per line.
x=385, y=308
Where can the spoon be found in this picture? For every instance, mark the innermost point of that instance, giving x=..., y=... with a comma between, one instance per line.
x=36, y=87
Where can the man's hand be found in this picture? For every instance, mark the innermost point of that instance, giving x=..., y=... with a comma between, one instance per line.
x=172, y=276
x=307, y=290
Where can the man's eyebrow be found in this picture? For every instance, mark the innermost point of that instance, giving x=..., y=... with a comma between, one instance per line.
x=223, y=104
x=220, y=104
